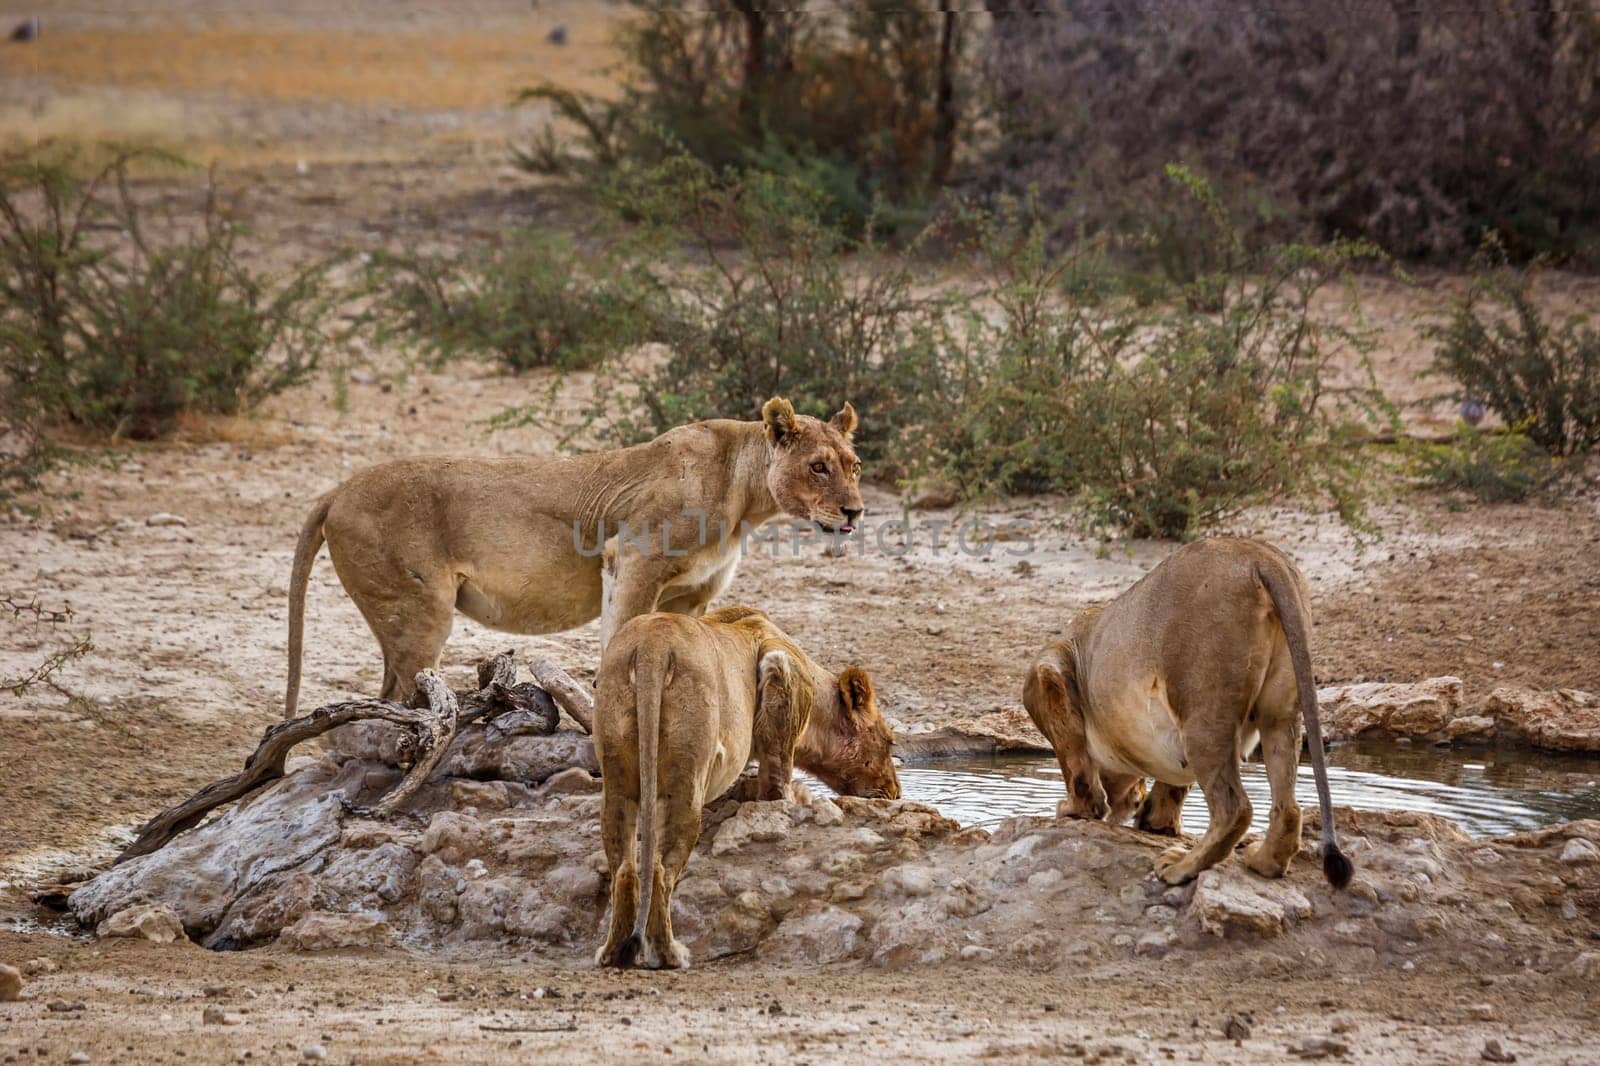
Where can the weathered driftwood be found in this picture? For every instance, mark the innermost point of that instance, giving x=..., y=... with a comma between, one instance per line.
x=573, y=697
x=510, y=707
x=441, y=726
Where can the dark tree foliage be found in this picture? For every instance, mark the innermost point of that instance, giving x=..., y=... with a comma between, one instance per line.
x=1419, y=126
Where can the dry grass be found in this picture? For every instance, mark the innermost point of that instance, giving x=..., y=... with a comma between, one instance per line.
x=438, y=72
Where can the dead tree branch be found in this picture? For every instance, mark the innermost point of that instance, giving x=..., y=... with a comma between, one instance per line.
x=446, y=714
x=509, y=707
x=572, y=697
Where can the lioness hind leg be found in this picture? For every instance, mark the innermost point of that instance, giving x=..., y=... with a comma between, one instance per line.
x=624, y=907
x=1280, y=750
x=1162, y=810
x=680, y=834
x=1216, y=766
x=618, y=818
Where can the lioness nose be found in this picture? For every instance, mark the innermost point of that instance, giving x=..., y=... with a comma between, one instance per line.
x=851, y=514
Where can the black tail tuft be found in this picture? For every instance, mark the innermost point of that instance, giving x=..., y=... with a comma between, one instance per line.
x=627, y=952
x=1335, y=866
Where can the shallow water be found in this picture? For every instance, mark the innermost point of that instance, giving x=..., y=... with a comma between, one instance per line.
x=1485, y=791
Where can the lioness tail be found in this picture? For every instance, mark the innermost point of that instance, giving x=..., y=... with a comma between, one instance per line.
x=1284, y=591
x=305, y=553
x=651, y=675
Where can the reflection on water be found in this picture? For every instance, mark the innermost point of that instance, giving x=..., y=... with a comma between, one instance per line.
x=1485, y=791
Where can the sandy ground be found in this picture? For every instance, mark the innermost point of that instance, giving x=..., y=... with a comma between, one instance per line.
x=188, y=620
x=144, y=1003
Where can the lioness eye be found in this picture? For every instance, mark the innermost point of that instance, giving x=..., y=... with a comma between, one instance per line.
x=819, y=468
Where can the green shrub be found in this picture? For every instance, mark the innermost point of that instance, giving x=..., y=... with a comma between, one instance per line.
x=1504, y=467
x=1163, y=420
x=765, y=300
x=1502, y=351
x=113, y=330
x=528, y=300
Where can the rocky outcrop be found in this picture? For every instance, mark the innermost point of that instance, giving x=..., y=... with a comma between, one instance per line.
x=1436, y=711
x=1007, y=730
x=1560, y=720
x=1407, y=710
x=514, y=867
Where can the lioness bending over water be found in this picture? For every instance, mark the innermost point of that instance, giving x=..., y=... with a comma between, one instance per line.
x=682, y=704
x=1177, y=679
x=516, y=543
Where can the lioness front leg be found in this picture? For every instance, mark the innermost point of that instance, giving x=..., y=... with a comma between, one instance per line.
x=630, y=585
x=783, y=707
x=1049, y=700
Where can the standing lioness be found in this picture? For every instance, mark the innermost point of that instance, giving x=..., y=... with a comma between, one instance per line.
x=682, y=704
x=516, y=543
x=1177, y=679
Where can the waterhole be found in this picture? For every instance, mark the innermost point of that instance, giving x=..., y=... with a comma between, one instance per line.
x=1486, y=791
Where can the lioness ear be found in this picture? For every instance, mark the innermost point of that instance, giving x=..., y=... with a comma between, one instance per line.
x=778, y=416
x=845, y=420
x=855, y=691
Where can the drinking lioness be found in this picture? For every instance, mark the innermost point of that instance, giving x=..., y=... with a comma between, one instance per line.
x=1177, y=679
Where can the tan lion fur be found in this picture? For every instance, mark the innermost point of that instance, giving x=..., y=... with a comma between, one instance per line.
x=516, y=543
x=1177, y=679
x=682, y=705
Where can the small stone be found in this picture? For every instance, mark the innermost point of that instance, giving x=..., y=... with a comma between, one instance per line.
x=912, y=881
x=1153, y=944
x=78, y=1056
x=1236, y=1027
x=10, y=984
x=34, y=967
x=165, y=518
x=62, y=1006
x=977, y=953
x=1494, y=1052
x=314, y=1053
x=1319, y=1047
x=1579, y=850
x=1482, y=1012
x=218, y=1016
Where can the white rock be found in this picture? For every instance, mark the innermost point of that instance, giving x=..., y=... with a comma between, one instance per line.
x=1579, y=850
x=827, y=934
x=572, y=882
x=753, y=823
x=327, y=930
x=825, y=812
x=151, y=921
x=1227, y=907
x=166, y=518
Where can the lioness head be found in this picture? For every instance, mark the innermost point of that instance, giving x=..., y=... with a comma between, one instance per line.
x=851, y=750
x=814, y=473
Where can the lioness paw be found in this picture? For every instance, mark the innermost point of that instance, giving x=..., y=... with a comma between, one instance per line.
x=1171, y=868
